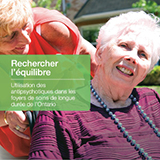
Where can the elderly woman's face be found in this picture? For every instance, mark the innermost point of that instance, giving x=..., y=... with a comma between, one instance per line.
x=18, y=41
x=127, y=61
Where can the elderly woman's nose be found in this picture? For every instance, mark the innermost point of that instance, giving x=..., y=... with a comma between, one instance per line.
x=132, y=56
x=24, y=37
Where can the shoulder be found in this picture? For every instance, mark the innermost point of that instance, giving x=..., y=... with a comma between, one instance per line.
x=40, y=15
x=148, y=98
x=52, y=29
x=147, y=92
x=57, y=33
x=53, y=18
x=43, y=15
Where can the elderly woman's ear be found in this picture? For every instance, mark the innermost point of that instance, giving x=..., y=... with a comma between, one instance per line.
x=98, y=56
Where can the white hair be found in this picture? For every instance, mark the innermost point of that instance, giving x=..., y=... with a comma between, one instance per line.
x=141, y=22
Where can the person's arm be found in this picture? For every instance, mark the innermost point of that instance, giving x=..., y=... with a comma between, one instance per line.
x=60, y=37
x=88, y=48
x=16, y=121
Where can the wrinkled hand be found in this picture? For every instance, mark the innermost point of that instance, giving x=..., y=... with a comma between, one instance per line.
x=18, y=123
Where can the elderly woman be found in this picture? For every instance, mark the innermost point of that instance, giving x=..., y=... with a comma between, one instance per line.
x=24, y=30
x=123, y=121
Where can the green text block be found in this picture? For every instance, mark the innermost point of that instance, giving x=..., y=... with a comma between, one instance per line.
x=44, y=82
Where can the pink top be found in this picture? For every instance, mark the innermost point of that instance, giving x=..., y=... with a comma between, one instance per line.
x=93, y=135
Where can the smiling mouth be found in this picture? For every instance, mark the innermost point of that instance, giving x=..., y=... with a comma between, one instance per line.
x=125, y=71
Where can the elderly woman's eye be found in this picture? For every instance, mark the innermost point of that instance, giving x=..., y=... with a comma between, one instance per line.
x=142, y=54
x=123, y=45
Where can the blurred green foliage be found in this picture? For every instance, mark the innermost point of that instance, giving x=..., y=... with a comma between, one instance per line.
x=47, y=4
x=91, y=35
x=148, y=6
x=152, y=78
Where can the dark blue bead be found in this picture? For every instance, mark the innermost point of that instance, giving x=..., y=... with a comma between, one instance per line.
x=134, y=99
x=145, y=155
x=102, y=103
x=113, y=117
x=131, y=96
x=158, y=134
x=93, y=90
x=139, y=107
x=156, y=130
x=122, y=129
x=147, y=119
x=137, y=147
x=99, y=99
x=129, y=138
x=137, y=103
x=125, y=134
x=116, y=120
x=141, y=111
x=94, y=93
x=141, y=151
x=119, y=125
x=107, y=110
x=144, y=115
x=153, y=126
x=110, y=113
x=133, y=142
x=149, y=158
x=97, y=96
x=104, y=106
x=150, y=122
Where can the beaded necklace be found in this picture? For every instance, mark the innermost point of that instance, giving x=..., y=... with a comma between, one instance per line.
x=122, y=129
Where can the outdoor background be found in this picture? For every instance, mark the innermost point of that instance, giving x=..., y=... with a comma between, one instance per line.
x=90, y=15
